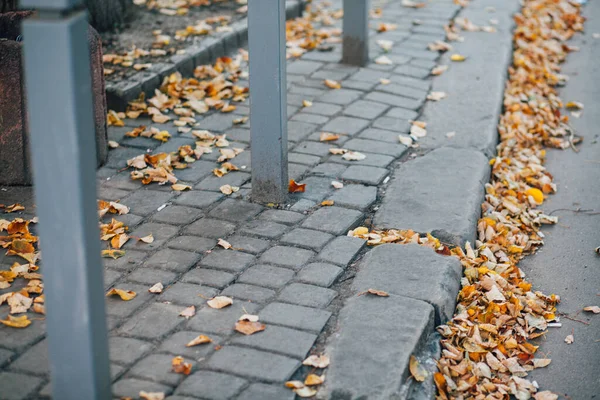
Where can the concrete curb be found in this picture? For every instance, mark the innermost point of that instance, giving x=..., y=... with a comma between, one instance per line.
x=119, y=94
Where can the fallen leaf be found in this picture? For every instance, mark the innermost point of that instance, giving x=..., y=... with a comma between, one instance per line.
x=125, y=295
x=331, y=84
x=162, y=136
x=413, y=4
x=179, y=366
x=439, y=69
x=114, y=254
x=321, y=361
x=405, y=140
x=417, y=131
x=112, y=144
x=16, y=322
x=594, y=309
x=450, y=135
x=386, y=27
x=353, y=156
x=569, y=339
x=241, y=120
x=180, y=187
x=384, y=81
x=313, y=380
x=188, y=312
x=296, y=187
x=336, y=151
x=337, y=185
x=386, y=45
x=248, y=317
x=574, y=105
x=18, y=303
x=326, y=203
x=147, y=239
x=228, y=189
x=201, y=339
x=379, y=293
x=39, y=308
x=440, y=46
x=294, y=384
x=307, y=103
x=545, y=395
x=383, y=60
x=536, y=194
x=436, y=96
x=219, y=302
x=457, y=57
x=305, y=392
x=224, y=243
x=152, y=395
x=541, y=362
x=416, y=370
x=328, y=137
x=249, y=327
x=156, y=288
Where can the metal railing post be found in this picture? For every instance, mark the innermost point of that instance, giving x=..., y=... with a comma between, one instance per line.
x=356, y=32
x=63, y=152
x=268, y=100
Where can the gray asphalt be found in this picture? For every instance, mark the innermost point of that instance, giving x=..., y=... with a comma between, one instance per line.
x=567, y=265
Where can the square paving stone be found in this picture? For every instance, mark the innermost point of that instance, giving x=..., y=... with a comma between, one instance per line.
x=278, y=339
x=383, y=135
x=160, y=232
x=263, y=391
x=369, y=75
x=211, y=385
x=34, y=360
x=290, y=257
x=355, y=196
x=209, y=277
x=282, y=216
x=5, y=356
x=211, y=228
x=293, y=316
x=198, y=198
x=153, y=322
x=157, y=368
x=144, y=202
x=340, y=96
x=303, y=158
x=235, y=210
x=253, y=364
x=371, y=146
x=335, y=220
x=212, y=182
x=359, y=85
x=150, y=276
x=174, y=260
x=177, y=215
x=255, y=294
x=18, y=386
x=248, y=244
x=365, y=174
x=301, y=67
x=342, y=250
x=319, y=274
x=192, y=243
x=267, y=276
x=346, y=125
x=412, y=71
x=187, y=294
x=228, y=260
x=322, y=109
x=303, y=205
x=310, y=118
x=393, y=100
x=402, y=90
x=307, y=295
x=119, y=308
x=402, y=113
x=127, y=350
x=221, y=322
x=299, y=130
x=111, y=276
x=130, y=387
x=266, y=229
x=195, y=171
x=314, y=240
x=365, y=109
x=315, y=148
x=176, y=345
x=329, y=169
x=391, y=124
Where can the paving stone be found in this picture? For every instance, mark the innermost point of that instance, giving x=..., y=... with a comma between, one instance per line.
x=126, y=351
x=372, y=159
x=446, y=203
x=319, y=274
x=282, y=216
x=267, y=276
x=412, y=71
x=324, y=56
x=157, y=368
x=370, y=146
x=429, y=64
x=228, y=260
x=209, y=277
x=5, y=356
x=317, y=188
x=187, y=294
x=117, y=158
x=297, y=130
x=401, y=90
x=111, y=276
x=359, y=85
x=266, y=392
x=314, y=240
x=18, y=386
x=221, y=322
x=119, y=308
x=211, y=385
x=211, y=228
x=384, y=366
x=145, y=324
x=176, y=345
x=122, y=181
x=365, y=174
x=177, y=215
x=369, y=75
x=411, y=82
x=255, y=294
x=111, y=194
x=254, y=364
x=173, y=260
x=266, y=229
x=303, y=205
x=192, y=243
x=34, y=360
x=290, y=257
x=330, y=74
x=303, y=158
x=310, y=118
x=239, y=135
x=335, y=220
x=346, y=125
x=179, y=398
x=297, y=171
x=317, y=149
x=160, y=232
x=402, y=113
x=218, y=122
x=365, y=109
x=340, y=96
x=307, y=295
x=392, y=124
x=309, y=92
x=248, y=244
x=384, y=135
x=195, y=172
x=393, y=100
x=150, y=276
x=198, y=198
x=235, y=210
x=132, y=387
x=322, y=109
x=342, y=250
x=301, y=67
x=144, y=202
x=355, y=196
x=329, y=169
x=212, y=182
x=289, y=342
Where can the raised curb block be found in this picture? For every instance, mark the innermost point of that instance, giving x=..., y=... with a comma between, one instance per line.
x=369, y=357
x=440, y=193
x=119, y=94
x=412, y=271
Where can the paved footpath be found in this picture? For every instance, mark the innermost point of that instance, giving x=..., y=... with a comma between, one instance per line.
x=295, y=267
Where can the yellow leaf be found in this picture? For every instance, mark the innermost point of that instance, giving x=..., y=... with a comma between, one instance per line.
x=125, y=295
x=228, y=189
x=458, y=57
x=321, y=361
x=328, y=137
x=326, y=203
x=16, y=322
x=180, y=187
x=114, y=254
x=307, y=103
x=219, y=302
x=294, y=384
x=19, y=303
x=162, y=136
x=119, y=240
x=331, y=84
x=438, y=70
x=201, y=339
x=416, y=370
x=574, y=105
x=537, y=195
x=314, y=380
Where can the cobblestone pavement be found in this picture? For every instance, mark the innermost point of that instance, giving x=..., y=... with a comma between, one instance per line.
x=283, y=262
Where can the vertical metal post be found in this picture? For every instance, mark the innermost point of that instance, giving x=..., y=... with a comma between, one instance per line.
x=356, y=32
x=268, y=100
x=63, y=150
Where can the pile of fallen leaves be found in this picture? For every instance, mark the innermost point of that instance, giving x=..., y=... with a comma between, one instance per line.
x=302, y=36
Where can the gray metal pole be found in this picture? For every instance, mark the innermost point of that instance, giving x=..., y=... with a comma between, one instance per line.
x=61, y=129
x=356, y=32
x=268, y=100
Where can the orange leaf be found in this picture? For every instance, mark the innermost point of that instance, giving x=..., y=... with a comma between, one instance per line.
x=248, y=327
x=125, y=295
x=181, y=367
x=201, y=339
x=219, y=302
x=16, y=322
x=296, y=187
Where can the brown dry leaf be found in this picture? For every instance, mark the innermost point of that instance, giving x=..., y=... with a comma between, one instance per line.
x=386, y=27
x=296, y=187
x=248, y=317
x=156, y=288
x=224, y=243
x=458, y=57
x=39, y=308
x=328, y=137
x=331, y=84
x=114, y=254
x=19, y=303
x=249, y=327
x=119, y=240
x=336, y=151
x=594, y=309
x=353, y=156
x=152, y=395
x=327, y=203
x=337, y=185
x=219, y=302
x=439, y=69
x=379, y=293
x=416, y=370
x=16, y=322
x=569, y=339
x=436, y=96
x=294, y=384
x=201, y=339
x=541, y=362
x=228, y=189
x=188, y=312
x=179, y=366
x=314, y=380
x=162, y=136
x=440, y=46
x=125, y=295
x=180, y=187
x=545, y=395
x=321, y=361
